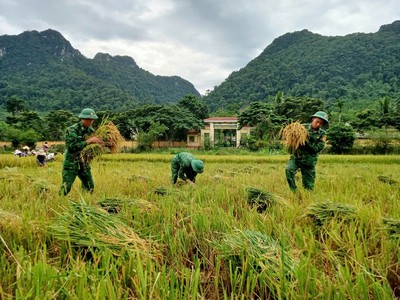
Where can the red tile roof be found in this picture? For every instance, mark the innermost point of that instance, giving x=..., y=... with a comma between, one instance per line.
x=221, y=119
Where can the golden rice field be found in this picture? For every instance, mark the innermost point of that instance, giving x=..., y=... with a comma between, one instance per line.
x=139, y=237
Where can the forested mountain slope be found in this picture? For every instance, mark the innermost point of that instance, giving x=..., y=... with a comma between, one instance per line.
x=358, y=68
x=43, y=69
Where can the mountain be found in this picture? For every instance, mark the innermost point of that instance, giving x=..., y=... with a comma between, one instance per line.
x=44, y=69
x=358, y=68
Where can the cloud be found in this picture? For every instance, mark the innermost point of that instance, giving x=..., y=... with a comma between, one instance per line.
x=202, y=41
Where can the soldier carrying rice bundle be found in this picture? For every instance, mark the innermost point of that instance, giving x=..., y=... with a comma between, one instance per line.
x=304, y=143
x=77, y=137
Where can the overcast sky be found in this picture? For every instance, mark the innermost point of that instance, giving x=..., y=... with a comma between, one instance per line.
x=202, y=41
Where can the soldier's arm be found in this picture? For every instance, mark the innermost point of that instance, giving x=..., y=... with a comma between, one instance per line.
x=316, y=145
x=174, y=170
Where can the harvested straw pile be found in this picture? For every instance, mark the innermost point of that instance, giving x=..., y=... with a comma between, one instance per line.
x=293, y=136
x=392, y=226
x=261, y=253
x=260, y=199
x=321, y=213
x=387, y=179
x=87, y=226
x=161, y=190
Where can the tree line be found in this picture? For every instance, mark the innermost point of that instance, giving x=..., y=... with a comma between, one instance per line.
x=171, y=122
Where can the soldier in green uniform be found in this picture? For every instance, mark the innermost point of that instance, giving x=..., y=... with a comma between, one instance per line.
x=306, y=157
x=185, y=166
x=76, y=138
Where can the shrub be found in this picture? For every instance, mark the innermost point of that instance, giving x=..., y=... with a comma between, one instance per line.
x=341, y=137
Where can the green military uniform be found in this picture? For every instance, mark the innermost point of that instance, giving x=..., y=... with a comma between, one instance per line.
x=73, y=165
x=305, y=159
x=185, y=166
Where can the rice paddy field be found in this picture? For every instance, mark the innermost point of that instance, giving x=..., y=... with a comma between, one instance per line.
x=240, y=233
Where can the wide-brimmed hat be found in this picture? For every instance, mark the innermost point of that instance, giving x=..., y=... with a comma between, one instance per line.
x=41, y=152
x=25, y=147
x=197, y=166
x=322, y=115
x=88, y=113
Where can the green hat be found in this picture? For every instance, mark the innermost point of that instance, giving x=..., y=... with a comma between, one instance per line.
x=197, y=166
x=322, y=115
x=88, y=113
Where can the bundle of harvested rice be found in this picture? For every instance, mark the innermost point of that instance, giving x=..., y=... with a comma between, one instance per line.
x=88, y=226
x=293, y=136
x=138, y=178
x=387, y=179
x=110, y=134
x=321, y=213
x=90, y=152
x=392, y=226
x=10, y=222
x=161, y=190
x=264, y=254
x=111, y=137
x=260, y=199
x=113, y=205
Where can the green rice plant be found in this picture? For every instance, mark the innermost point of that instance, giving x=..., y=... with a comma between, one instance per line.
x=88, y=226
x=321, y=213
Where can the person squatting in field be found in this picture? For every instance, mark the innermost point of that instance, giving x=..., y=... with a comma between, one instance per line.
x=306, y=157
x=41, y=158
x=186, y=167
x=76, y=139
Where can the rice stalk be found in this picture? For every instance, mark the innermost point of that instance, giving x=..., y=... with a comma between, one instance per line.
x=293, y=136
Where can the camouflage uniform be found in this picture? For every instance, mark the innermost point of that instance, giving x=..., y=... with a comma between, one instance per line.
x=305, y=159
x=73, y=165
x=181, y=167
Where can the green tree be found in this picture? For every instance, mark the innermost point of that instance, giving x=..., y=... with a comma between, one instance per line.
x=146, y=139
x=15, y=105
x=298, y=108
x=341, y=137
x=56, y=123
x=19, y=137
x=261, y=116
x=195, y=106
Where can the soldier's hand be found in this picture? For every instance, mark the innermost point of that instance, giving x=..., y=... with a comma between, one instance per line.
x=95, y=140
x=190, y=182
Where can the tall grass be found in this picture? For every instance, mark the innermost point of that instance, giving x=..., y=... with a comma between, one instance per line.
x=195, y=228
